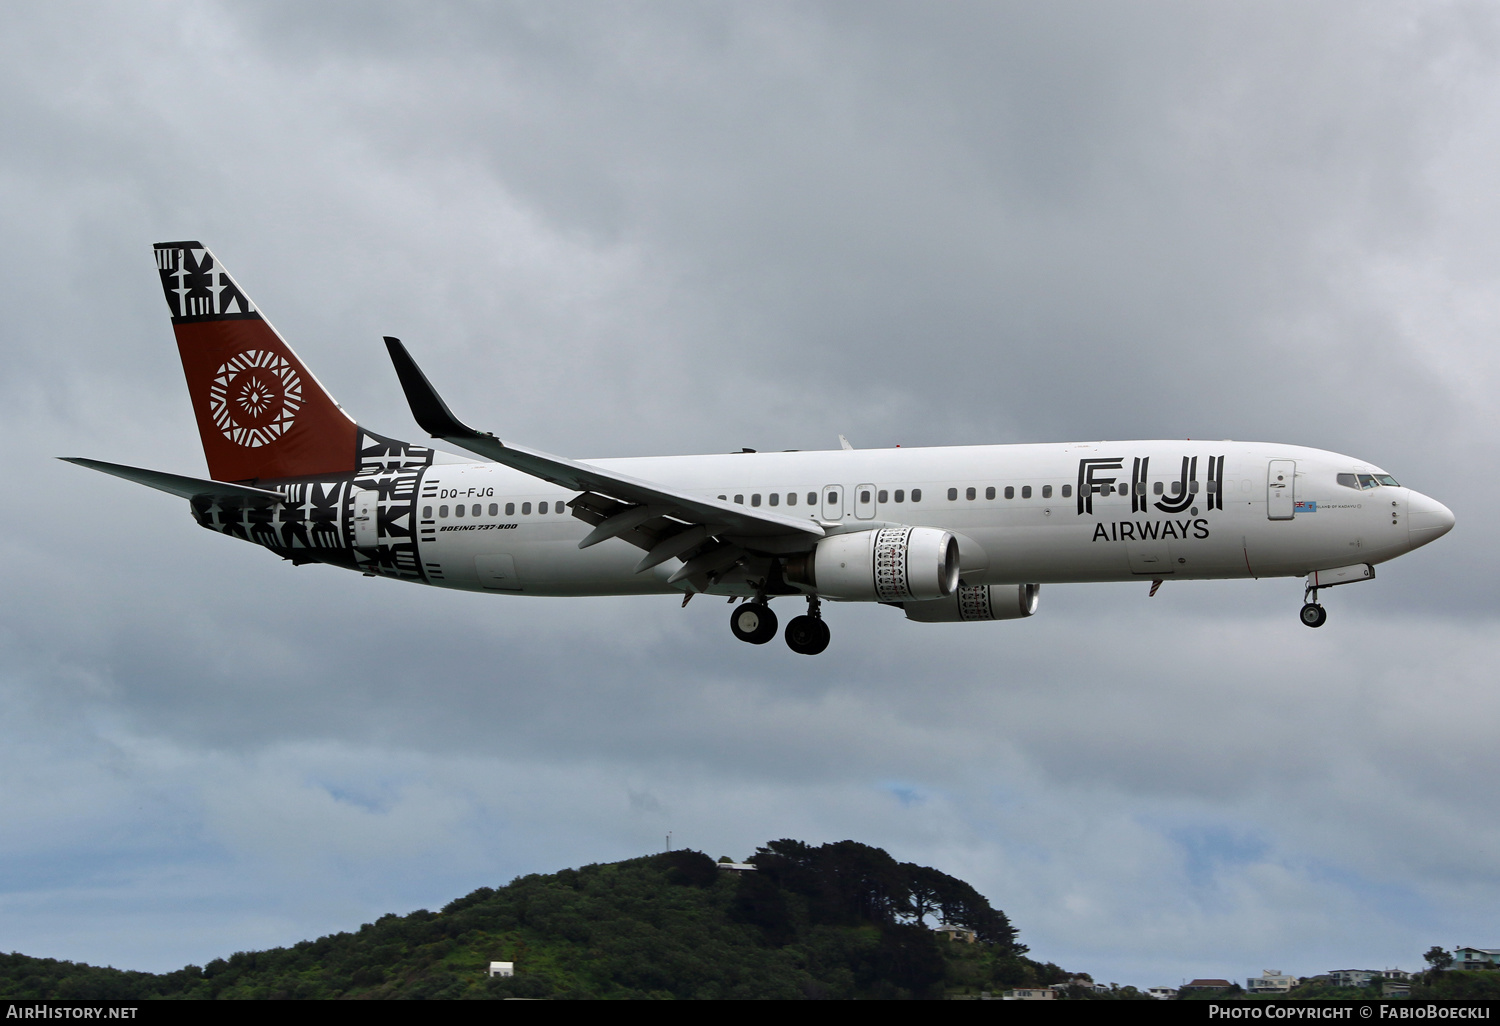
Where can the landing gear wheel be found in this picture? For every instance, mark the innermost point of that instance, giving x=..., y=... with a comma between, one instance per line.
x=753, y=622
x=1314, y=615
x=807, y=635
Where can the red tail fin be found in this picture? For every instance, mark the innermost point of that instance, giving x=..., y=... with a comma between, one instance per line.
x=262, y=415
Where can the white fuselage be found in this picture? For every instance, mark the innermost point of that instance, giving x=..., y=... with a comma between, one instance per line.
x=1024, y=514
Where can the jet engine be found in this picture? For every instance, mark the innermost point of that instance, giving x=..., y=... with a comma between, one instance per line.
x=887, y=564
x=983, y=602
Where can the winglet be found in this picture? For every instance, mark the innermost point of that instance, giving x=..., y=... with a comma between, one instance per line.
x=426, y=405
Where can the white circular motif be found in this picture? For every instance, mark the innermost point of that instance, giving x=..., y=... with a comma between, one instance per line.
x=255, y=397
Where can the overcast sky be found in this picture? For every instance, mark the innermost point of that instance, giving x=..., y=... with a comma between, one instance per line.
x=628, y=229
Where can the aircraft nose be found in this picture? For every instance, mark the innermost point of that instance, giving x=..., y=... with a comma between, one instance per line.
x=1426, y=519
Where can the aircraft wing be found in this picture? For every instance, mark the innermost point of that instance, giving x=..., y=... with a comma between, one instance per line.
x=644, y=497
x=176, y=484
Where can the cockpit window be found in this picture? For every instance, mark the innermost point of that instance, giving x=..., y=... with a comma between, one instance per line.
x=1368, y=481
x=1387, y=480
x=1349, y=480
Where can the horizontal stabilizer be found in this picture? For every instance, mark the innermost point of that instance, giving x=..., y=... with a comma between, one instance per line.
x=176, y=484
x=725, y=518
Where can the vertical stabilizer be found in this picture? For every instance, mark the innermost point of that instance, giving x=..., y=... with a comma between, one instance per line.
x=261, y=413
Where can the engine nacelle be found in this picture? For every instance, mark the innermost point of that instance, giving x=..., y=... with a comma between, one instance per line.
x=887, y=564
x=983, y=602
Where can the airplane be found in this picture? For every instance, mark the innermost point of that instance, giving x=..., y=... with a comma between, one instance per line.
x=951, y=534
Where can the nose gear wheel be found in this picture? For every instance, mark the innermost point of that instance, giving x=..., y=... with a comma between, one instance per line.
x=1313, y=615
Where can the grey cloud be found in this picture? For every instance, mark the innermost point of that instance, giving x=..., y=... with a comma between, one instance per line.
x=656, y=229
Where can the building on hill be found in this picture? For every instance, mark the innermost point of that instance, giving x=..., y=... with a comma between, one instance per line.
x=1204, y=986
x=1476, y=958
x=1031, y=994
x=1364, y=977
x=1270, y=981
x=956, y=933
x=1163, y=993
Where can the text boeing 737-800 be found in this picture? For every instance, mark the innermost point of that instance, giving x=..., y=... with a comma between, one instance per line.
x=945, y=534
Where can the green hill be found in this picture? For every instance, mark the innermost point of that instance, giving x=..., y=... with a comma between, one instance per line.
x=842, y=920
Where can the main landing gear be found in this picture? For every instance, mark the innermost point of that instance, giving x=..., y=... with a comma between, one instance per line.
x=755, y=623
x=1313, y=614
x=808, y=634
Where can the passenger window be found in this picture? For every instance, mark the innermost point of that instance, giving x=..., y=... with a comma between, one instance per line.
x=755, y=499
x=864, y=496
x=723, y=497
x=526, y=509
x=510, y=509
x=1125, y=488
x=494, y=509
x=970, y=494
x=740, y=499
x=1046, y=491
x=882, y=495
x=916, y=495
x=775, y=498
x=443, y=511
x=900, y=494
x=952, y=494
x=1026, y=491
x=426, y=512
x=1067, y=491
x=541, y=507
x=1156, y=488
x=989, y=493
x=1010, y=491
x=458, y=510
x=812, y=498
x=1193, y=487
x=791, y=498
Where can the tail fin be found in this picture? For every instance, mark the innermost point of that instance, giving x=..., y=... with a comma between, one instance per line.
x=261, y=413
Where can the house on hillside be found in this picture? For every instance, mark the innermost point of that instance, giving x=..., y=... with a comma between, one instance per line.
x=738, y=867
x=1476, y=958
x=1204, y=986
x=956, y=933
x=1270, y=981
x=1364, y=977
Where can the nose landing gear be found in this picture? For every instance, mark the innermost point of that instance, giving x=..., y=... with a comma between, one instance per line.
x=1313, y=615
x=808, y=635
